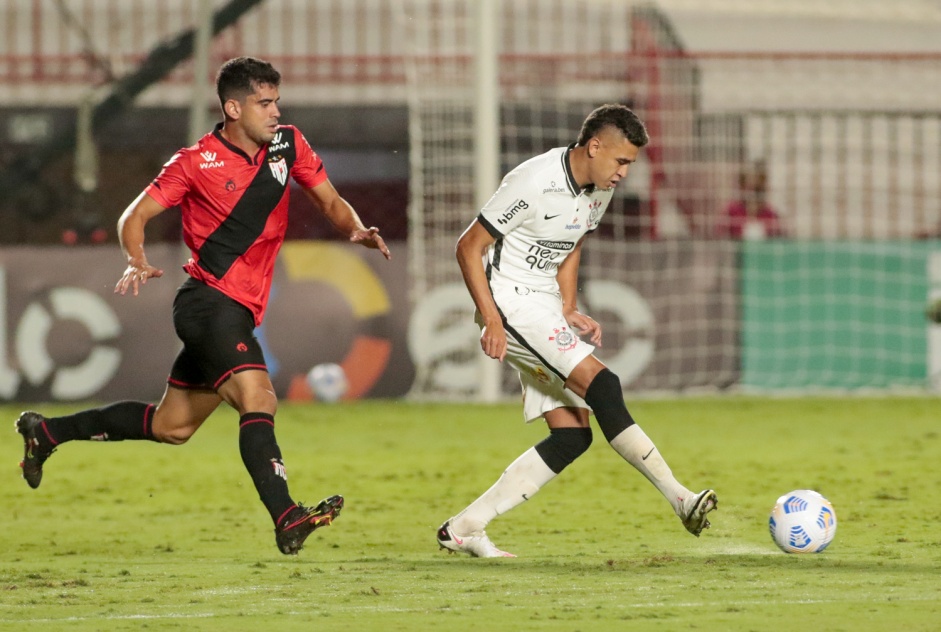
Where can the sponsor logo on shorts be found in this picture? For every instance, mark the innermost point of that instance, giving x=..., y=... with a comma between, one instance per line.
x=241, y=347
x=540, y=375
x=564, y=339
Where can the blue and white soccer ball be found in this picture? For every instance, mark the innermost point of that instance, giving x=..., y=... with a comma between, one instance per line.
x=328, y=382
x=802, y=521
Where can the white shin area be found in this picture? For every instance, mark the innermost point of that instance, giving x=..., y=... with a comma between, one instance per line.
x=523, y=478
x=636, y=448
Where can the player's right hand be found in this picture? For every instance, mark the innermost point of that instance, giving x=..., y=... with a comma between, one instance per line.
x=371, y=239
x=493, y=340
x=134, y=276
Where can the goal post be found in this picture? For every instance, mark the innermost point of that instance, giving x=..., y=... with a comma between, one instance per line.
x=486, y=144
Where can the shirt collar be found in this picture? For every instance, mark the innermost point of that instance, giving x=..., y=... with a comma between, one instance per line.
x=217, y=133
x=570, y=177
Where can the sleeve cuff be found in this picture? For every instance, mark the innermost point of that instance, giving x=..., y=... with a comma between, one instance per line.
x=496, y=234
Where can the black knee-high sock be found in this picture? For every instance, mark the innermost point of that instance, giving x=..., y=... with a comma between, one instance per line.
x=115, y=422
x=262, y=458
x=607, y=401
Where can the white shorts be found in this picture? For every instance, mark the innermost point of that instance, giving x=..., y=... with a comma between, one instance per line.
x=542, y=347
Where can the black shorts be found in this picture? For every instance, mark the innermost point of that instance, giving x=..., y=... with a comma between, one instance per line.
x=218, y=338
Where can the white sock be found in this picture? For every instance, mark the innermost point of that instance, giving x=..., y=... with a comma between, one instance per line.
x=523, y=478
x=637, y=449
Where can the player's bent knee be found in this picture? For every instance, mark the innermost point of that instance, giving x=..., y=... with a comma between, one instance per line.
x=562, y=446
x=606, y=399
x=605, y=386
x=250, y=391
x=173, y=433
x=176, y=436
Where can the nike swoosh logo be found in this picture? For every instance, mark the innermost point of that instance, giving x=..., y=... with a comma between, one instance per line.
x=550, y=216
x=644, y=458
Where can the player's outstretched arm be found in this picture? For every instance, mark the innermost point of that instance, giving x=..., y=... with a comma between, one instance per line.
x=339, y=212
x=131, y=234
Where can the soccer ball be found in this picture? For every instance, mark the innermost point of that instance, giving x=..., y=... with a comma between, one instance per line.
x=327, y=382
x=802, y=521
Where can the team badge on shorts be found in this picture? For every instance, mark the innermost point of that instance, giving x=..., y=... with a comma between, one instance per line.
x=564, y=339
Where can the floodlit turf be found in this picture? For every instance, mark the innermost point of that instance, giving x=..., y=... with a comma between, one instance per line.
x=132, y=536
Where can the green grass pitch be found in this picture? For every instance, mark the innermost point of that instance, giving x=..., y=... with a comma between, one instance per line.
x=132, y=536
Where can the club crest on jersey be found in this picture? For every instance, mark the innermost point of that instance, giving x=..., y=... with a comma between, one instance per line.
x=279, y=169
x=276, y=143
x=210, y=158
x=564, y=339
x=594, y=213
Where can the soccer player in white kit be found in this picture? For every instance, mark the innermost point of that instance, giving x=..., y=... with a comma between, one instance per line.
x=530, y=233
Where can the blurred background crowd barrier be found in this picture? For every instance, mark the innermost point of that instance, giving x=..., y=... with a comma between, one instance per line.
x=779, y=233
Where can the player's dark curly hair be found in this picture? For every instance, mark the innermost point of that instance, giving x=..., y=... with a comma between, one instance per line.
x=615, y=115
x=239, y=77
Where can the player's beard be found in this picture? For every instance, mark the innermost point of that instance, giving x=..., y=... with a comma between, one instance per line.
x=265, y=135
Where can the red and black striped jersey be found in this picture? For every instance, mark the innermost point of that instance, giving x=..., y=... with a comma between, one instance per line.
x=235, y=208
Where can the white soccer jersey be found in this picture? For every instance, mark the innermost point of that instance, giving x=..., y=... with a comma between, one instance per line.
x=537, y=216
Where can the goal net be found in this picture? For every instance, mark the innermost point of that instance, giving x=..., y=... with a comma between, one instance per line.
x=825, y=289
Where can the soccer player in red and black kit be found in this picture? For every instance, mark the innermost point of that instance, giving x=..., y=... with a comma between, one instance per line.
x=232, y=190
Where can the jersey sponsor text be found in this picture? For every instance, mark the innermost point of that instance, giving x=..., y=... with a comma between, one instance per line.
x=558, y=245
x=511, y=212
x=543, y=258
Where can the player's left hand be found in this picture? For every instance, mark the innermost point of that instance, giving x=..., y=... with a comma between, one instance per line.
x=585, y=326
x=135, y=275
x=371, y=239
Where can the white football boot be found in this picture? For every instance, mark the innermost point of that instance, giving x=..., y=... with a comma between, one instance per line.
x=695, y=509
x=476, y=545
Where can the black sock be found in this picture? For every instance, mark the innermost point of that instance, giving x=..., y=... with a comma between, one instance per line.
x=606, y=399
x=262, y=458
x=562, y=446
x=116, y=422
